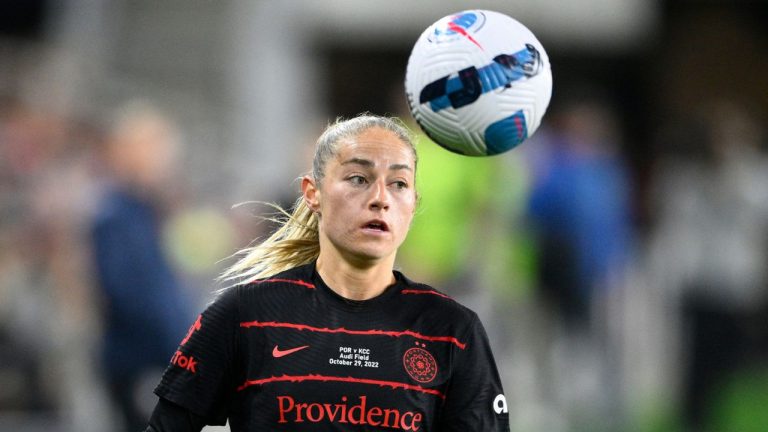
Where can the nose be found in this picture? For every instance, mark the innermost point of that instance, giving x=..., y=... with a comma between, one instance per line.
x=379, y=196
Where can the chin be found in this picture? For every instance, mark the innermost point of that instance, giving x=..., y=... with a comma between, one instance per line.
x=370, y=255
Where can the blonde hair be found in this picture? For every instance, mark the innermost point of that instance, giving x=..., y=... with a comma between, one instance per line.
x=296, y=241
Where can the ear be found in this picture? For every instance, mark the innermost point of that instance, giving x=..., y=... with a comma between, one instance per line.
x=311, y=193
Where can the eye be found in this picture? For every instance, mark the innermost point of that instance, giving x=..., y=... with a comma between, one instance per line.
x=400, y=184
x=357, y=180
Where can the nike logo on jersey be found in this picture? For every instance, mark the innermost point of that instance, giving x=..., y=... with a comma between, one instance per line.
x=277, y=352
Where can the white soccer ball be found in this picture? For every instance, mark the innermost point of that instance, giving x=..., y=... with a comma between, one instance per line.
x=478, y=82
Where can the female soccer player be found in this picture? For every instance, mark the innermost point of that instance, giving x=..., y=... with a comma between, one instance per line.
x=321, y=333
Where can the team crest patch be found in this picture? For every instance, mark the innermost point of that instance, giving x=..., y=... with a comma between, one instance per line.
x=420, y=365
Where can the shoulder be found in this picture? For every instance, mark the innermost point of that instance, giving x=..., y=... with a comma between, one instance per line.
x=300, y=276
x=289, y=283
x=435, y=302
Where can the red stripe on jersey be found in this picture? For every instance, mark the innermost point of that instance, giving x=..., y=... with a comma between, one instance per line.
x=325, y=378
x=413, y=291
x=449, y=339
x=292, y=281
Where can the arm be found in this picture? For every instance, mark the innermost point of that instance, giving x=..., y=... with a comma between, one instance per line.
x=169, y=417
x=475, y=399
x=200, y=376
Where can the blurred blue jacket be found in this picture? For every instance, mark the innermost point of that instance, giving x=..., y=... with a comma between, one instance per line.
x=584, y=199
x=146, y=310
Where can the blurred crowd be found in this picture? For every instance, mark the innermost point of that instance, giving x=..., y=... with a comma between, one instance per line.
x=96, y=284
x=617, y=300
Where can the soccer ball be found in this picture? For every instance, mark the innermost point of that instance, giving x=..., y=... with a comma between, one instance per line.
x=478, y=82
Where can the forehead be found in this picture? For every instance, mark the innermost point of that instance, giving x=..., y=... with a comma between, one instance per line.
x=377, y=145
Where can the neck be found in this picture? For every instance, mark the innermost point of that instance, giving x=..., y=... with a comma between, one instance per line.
x=354, y=281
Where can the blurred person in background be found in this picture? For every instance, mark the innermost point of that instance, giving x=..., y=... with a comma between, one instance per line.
x=709, y=249
x=579, y=206
x=28, y=247
x=146, y=309
x=579, y=212
x=45, y=161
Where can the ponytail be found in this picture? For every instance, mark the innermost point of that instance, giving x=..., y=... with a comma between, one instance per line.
x=295, y=243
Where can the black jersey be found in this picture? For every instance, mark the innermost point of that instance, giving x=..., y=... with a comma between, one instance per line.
x=289, y=354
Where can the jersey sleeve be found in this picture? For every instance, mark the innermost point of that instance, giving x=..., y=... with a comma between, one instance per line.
x=169, y=417
x=200, y=376
x=475, y=399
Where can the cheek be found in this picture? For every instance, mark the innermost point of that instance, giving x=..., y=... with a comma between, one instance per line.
x=408, y=208
x=336, y=198
x=413, y=201
x=339, y=209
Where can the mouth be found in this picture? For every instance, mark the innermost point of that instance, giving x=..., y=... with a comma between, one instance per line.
x=376, y=225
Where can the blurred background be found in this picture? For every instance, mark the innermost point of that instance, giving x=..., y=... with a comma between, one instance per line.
x=618, y=257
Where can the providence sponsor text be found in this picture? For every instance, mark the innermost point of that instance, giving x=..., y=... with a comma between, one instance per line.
x=342, y=412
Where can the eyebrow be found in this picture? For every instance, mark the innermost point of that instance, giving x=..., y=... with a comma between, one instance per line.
x=369, y=164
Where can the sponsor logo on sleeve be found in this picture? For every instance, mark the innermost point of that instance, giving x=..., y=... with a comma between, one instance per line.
x=186, y=362
x=195, y=327
x=500, y=404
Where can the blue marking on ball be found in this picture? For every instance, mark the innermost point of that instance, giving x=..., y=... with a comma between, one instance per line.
x=506, y=134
